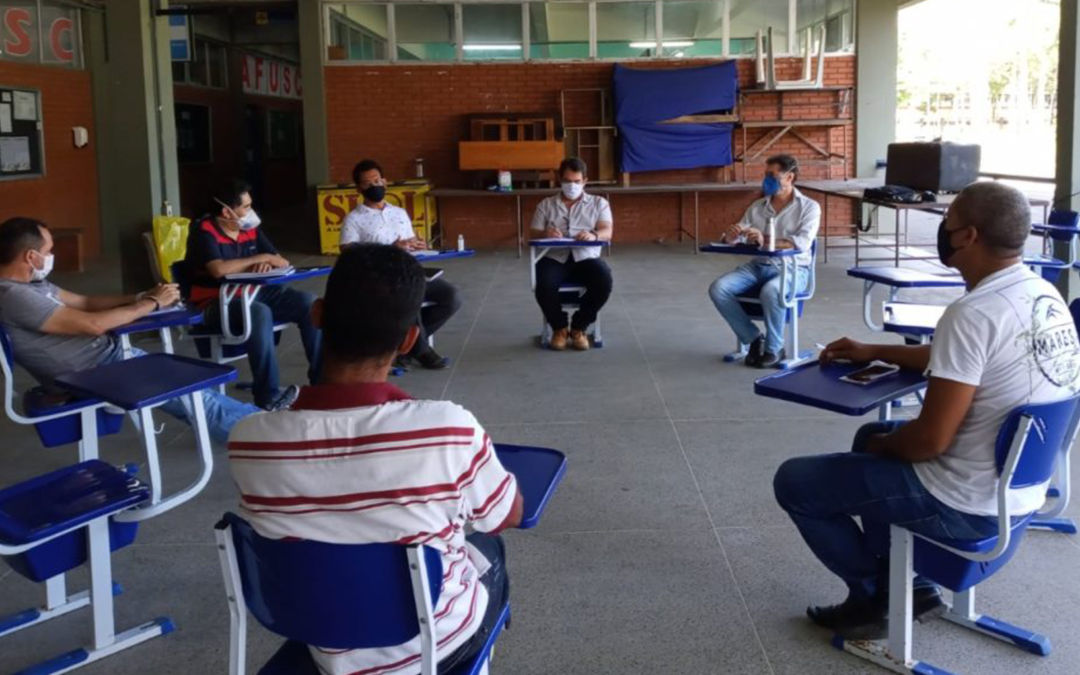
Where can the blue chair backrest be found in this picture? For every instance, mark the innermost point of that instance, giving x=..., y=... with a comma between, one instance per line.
x=1053, y=426
x=1074, y=309
x=179, y=275
x=1067, y=218
x=338, y=596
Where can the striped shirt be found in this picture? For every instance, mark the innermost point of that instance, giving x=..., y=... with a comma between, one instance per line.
x=357, y=464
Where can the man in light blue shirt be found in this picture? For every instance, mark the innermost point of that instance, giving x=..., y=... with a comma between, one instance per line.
x=797, y=218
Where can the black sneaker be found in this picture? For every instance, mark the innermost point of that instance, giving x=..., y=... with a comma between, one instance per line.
x=285, y=399
x=753, y=354
x=869, y=619
x=770, y=360
x=431, y=360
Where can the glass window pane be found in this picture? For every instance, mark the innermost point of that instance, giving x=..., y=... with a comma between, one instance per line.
x=352, y=26
x=217, y=66
x=19, y=31
x=197, y=73
x=558, y=30
x=693, y=29
x=491, y=32
x=625, y=29
x=425, y=32
x=750, y=16
x=179, y=72
x=835, y=15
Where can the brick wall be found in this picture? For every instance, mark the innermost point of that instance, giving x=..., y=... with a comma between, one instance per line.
x=397, y=113
x=67, y=196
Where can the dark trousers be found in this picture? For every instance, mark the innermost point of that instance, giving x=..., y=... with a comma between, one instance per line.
x=447, y=301
x=593, y=274
x=497, y=584
x=273, y=304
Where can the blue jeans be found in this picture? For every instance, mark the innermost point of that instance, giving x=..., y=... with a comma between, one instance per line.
x=222, y=412
x=273, y=304
x=824, y=493
x=763, y=280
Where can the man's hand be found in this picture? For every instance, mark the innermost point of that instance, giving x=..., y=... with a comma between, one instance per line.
x=419, y=244
x=585, y=235
x=276, y=261
x=754, y=237
x=261, y=268
x=165, y=295
x=553, y=232
x=732, y=234
x=848, y=350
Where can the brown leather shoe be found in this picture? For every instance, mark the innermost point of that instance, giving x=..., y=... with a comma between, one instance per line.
x=559, y=339
x=579, y=340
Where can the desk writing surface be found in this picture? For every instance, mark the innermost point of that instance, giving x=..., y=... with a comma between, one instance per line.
x=538, y=471
x=564, y=243
x=750, y=250
x=820, y=386
x=146, y=380
x=159, y=320
x=271, y=279
x=423, y=256
x=902, y=277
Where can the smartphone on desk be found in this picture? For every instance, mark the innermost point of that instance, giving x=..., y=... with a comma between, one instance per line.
x=877, y=370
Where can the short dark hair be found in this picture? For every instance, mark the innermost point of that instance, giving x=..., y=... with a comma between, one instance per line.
x=1000, y=213
x=362, y=167
x=17, y=235
x=373, y=297
x=229, y=192
x=575, y=164
x=787, y=163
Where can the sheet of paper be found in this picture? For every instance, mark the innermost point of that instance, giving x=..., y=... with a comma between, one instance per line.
x=14, y=154
x=5, y=96
x=25, y=106
x=5, y=118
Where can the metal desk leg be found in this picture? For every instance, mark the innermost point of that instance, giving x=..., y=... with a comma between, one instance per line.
x=825, y=224
x=885, y=412
x=697, y=225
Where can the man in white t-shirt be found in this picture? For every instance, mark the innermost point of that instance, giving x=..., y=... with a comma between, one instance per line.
x=373, y=221
x=1010, y=341
x=358, y=461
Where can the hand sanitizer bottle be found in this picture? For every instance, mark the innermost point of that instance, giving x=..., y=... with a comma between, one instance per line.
x=771, y=234
x=461, y=242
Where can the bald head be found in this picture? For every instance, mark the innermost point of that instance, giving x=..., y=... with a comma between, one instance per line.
x=1000, y=213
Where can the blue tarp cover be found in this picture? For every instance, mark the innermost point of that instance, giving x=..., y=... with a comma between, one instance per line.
x=645, y=98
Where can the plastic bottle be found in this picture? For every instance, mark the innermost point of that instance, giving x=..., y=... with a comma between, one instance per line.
x=461, y=242
x=771, y=234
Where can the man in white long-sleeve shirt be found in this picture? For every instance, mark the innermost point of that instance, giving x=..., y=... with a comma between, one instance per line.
x=797, y=220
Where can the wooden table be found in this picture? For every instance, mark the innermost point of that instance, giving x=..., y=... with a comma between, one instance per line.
x=609, y=192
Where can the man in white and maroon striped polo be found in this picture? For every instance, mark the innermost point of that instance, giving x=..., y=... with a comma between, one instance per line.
x=356, y=460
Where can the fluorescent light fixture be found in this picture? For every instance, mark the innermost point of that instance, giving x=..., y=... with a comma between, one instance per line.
x=669, y=43
x=492, y=48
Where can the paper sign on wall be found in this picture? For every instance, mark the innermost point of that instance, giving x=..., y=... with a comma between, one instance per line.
x=25, y=106
x=5, y=118
x=270, y=77
x=5, y=97
x=14, y=154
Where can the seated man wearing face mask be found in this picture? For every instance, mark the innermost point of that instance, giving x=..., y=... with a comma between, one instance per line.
x=229, y=241
x=572, y=213
x=797, y=218
x=54, y=331
x=376, y=222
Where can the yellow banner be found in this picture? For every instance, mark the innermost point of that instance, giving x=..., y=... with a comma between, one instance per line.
x=336, y=201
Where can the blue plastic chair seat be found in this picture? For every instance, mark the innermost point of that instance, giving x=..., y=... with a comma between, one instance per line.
x=294, y=657
x=38, y=402
x=40, y=507
x=959, y=574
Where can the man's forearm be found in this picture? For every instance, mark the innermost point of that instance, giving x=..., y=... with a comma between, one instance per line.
x=100, y=303
x=907, y=444
x=908, y=357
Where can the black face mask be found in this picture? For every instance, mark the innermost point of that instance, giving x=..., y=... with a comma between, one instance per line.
x=945, y=248
x=374, y=193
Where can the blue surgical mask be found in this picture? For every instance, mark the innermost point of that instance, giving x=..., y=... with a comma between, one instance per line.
x=770, y=185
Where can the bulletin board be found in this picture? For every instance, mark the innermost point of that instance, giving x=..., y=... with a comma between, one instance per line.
x=21, y=147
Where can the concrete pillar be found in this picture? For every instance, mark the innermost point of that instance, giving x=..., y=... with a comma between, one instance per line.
x=316, y=150
x=1067, y=176
x=876, y=49
x=128, y=52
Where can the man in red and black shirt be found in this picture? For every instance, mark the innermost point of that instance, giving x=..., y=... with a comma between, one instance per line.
x=229, y=241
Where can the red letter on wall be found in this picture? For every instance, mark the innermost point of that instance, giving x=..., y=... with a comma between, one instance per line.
x=17, y=20
x=56, y=39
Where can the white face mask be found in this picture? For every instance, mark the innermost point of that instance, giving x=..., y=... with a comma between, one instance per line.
x=572, y=190
x=250, y=221
x=41, y=274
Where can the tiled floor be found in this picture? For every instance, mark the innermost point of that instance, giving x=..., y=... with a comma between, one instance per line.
x=663, y=552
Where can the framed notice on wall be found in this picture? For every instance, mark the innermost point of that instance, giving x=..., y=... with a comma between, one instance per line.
x=21, y=147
